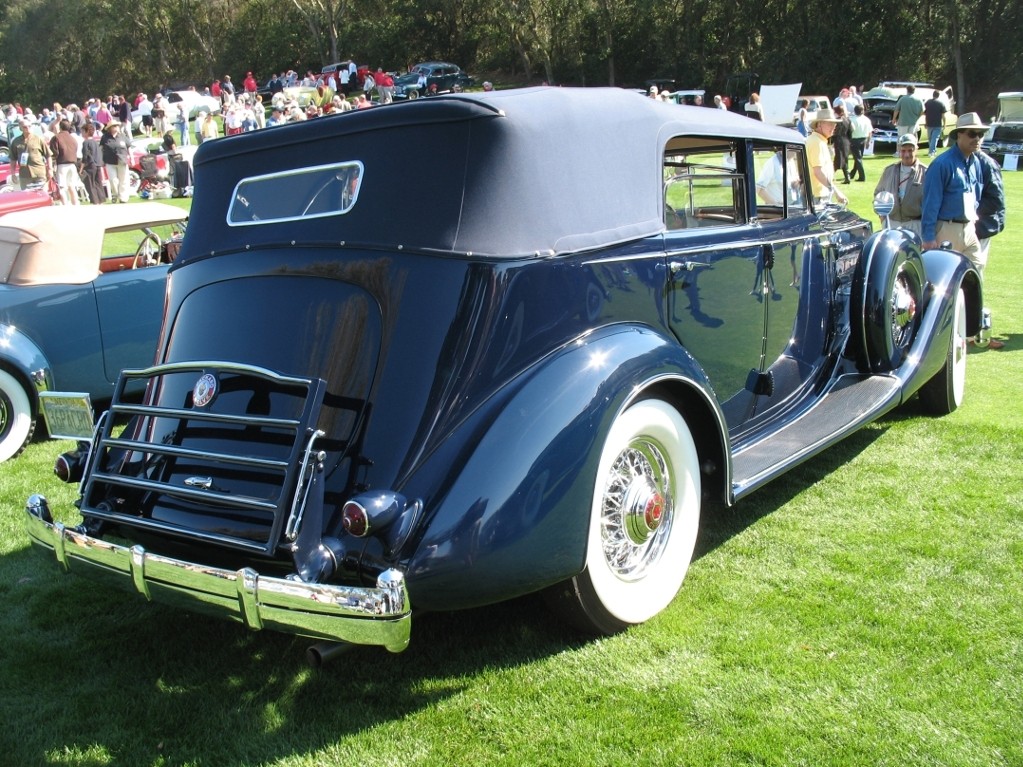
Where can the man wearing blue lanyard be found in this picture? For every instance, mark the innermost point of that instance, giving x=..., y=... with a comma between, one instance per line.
x=952, y=189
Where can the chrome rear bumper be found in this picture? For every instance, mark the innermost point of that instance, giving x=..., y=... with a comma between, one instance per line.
x=359, y=615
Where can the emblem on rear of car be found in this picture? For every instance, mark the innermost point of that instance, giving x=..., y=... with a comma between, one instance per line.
x=205, y=390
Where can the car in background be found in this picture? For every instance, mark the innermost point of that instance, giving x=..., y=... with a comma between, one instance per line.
x=688, y=97
x=13, y=199
x=441, y=77
x=194, y=102
x=815, y=103
x=605, y=311
x=1004, y=140
x=81, y=297
x=879, y=105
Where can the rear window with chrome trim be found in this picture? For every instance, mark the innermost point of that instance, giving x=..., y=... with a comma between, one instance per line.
x=312, y=192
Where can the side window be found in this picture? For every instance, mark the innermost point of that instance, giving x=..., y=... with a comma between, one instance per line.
x=778, y=175
x=701, y=185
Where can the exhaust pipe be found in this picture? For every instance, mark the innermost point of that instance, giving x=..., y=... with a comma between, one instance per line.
x=324, y=652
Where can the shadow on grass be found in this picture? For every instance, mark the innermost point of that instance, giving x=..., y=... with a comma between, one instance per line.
x=720, y=523
x=119, y=681
x=146, y=684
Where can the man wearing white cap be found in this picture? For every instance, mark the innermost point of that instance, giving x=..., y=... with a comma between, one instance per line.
x=905, y=181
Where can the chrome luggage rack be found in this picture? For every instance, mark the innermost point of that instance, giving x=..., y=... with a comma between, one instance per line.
x=192, y=450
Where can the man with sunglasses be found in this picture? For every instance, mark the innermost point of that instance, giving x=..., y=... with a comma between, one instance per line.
x=953, y=187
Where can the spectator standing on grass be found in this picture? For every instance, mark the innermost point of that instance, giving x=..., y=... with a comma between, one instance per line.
x=905, y=181
x=841, y=140
x=102, y=117
x=822, y=168
x=181, y=123
x=159, y=114
x=121, y=111
x=803, y=118
x=114, y=145
x=908, y=110
x=30, y=157
x=934, y=119
x=860, y=132
x=92, y=166
x=953, y=188
x=227, y=90
x=250, y=85
x=65, y=153
x=209, y=129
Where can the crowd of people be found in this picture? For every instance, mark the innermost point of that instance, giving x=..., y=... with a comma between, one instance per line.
x=959, y=198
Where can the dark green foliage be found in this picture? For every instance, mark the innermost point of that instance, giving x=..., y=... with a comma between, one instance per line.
x=69, y=51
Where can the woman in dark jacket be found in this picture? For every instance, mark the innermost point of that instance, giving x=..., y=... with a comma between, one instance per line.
x=114, y=146
x=841, y=140
x=92, y=166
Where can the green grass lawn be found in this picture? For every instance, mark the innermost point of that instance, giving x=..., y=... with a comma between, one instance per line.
x=866, y=609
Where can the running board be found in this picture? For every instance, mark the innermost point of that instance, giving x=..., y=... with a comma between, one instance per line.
x=840, y=412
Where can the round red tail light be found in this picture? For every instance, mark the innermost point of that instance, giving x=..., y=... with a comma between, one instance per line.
x=354, y=519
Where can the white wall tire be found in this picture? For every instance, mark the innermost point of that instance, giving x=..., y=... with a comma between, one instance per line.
x=16, y=422
x=644, y=518
x=944, y=393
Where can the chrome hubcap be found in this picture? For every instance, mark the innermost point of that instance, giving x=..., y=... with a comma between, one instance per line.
x=637, y=509
x=903, y=308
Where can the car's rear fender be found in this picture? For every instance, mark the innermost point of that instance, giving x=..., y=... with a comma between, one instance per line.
x=22, y=358
x=513, y=517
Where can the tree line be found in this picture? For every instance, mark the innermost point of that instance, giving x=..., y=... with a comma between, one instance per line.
x=66, y=52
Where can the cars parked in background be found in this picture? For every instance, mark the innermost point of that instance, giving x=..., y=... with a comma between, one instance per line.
x=194, y=102
x=81, y=297
x=12, y=199
x=688, y=97
x=440, y=77
x=1005, y=137
x=605, y=310
x=815, y=103
x=879, y=105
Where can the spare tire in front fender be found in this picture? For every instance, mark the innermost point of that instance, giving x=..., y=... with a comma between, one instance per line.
x=887, y=298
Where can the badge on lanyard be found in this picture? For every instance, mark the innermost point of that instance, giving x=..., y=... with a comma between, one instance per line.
x=970, y=206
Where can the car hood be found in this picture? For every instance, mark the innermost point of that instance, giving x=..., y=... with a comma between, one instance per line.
x=409, y=78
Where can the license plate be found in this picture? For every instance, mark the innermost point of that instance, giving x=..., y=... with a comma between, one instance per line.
x=68, y=415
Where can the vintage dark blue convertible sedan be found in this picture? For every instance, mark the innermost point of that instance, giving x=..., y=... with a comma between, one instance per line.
x=601, y=311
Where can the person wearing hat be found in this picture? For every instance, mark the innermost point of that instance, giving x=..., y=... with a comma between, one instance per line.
x=953, y=190
x=953, y=187
x=114, y=147
x=905, y=180
x=822, y=168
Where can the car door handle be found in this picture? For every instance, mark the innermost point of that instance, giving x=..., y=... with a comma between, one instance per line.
x=685, y=266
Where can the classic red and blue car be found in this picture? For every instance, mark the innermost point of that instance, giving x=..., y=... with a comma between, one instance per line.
x=81, y=297
x=604, y=311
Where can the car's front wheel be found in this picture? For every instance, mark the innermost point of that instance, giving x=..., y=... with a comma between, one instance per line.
x=644, y=519
x=16, y=422
x=944, y=393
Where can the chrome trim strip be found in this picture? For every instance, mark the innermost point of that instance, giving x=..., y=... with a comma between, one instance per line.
x=359, y=615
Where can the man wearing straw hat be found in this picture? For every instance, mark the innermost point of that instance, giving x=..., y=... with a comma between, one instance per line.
x=952, y=189
x=822, y=167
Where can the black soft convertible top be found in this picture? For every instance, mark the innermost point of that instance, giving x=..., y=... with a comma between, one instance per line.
x=507, y=173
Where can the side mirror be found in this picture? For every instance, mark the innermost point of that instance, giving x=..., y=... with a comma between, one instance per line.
x=884, y=204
